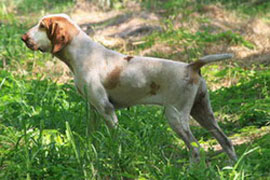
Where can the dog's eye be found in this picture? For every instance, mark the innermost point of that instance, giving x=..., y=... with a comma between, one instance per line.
x=62, y=38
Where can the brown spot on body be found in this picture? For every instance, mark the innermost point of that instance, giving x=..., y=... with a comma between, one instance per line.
x=113, y=78
x=154, y=88
x=128, y=58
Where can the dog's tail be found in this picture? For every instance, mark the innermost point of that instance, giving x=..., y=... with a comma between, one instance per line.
x=196, y=66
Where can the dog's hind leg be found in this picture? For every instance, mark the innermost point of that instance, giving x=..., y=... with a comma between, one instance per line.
x=179, y=122
x=203, y=114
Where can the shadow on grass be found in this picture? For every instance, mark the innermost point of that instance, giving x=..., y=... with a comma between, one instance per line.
x=249, y=99
x=116, y=20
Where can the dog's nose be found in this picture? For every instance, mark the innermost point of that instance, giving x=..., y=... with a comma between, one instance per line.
x=24, y=38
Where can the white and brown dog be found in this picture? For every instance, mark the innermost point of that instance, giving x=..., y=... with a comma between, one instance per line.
x=110, y=80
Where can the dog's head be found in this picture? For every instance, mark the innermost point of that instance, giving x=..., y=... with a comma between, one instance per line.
x=51, y=34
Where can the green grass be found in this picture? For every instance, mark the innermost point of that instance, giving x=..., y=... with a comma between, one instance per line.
x=252, y=106
x=47, y=131
x=24, y=7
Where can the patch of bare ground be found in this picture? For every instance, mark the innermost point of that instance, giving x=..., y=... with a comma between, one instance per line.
x=161, y=48
x=254, y=30
x=54, y=69
x=216, y=20
x=115, y=28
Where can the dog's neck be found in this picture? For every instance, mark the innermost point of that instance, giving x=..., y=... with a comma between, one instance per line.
x=75, y=51
x=83, y=50
x=63, y=55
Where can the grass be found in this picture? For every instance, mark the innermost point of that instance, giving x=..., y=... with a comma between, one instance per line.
x=193, y=44
x=47, y=131
x=171, y=8
x=45, y=134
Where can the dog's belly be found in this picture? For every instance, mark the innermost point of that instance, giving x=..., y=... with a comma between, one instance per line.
x=129, y=97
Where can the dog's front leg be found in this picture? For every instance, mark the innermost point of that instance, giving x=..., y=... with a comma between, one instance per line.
x=98, y=97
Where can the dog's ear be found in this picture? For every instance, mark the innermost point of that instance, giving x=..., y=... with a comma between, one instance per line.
x=59, y=31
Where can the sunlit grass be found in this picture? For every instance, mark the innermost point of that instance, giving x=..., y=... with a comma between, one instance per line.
x=45, y=131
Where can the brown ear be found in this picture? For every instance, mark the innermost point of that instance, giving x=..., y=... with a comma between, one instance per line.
x=57, y=32
x=60, y=37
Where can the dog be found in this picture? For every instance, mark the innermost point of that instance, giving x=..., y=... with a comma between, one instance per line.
x=110, y=80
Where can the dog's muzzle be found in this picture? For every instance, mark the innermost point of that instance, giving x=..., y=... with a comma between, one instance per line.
x=25, y=38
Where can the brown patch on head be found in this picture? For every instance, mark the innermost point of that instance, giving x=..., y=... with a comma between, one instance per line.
x=128, y=58
x=154, y=88
x=113, y=78
x=59, y=30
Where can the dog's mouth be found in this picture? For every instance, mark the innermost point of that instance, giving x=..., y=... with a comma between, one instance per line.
x=41, y=50
x=29, y=43
x=32, y=46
